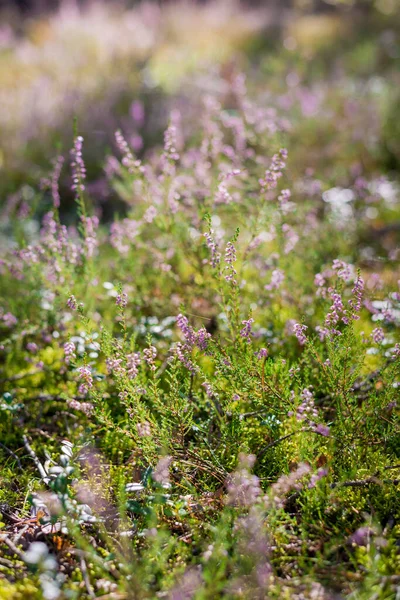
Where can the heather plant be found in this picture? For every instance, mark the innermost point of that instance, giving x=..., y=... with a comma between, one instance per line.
x=200, y=398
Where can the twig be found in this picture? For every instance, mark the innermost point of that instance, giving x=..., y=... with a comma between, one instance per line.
x=392, y=467
x=86, y=579
x=13, y=547
x=288, y=435
x=21, y=533
x=278, y=441
x=6, y=563
x=11, y=454
x=35, y=459
x=364, y=482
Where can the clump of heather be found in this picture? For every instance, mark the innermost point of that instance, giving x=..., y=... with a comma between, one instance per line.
x=225, y=362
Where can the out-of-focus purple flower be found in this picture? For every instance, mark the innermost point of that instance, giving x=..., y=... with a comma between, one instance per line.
x=362, y=536
x=85, y=407
x=291, y=238
x=274, y=173
x=143, y=429
x=150, y=214
x=137, y=112
x=161, y=471
x=317, y=477
x=90, y=224
x=53, y=183
x=322, y=430
x=243, y=487
x=9, y=319
x=72, y=303
x=262, y=353
x=32, y=347
x=277, y=278
x=344, y=270
x=323, y=332
x=378, y=335
x=285, y=484
x=133, y=164
x=187, y=586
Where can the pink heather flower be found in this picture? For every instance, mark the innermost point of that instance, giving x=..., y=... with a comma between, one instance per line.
x=9, y=319
x=132, y=164
x=143, y=429
x=336, y=313
x=137, y=112
x=86, y=375
x=183, y=353
x=243, y=487
x=277, y=278
x=122, y=300
x=317, y=477
x=291, y=238
x=192, y=338
x=208, y=388
x=78, y=166
x=230, y=254
x=396, y=350
x=306, y=410
x=357, y=292
x=222, y=196
x=58, y=163
x=285, y=484
x=72, y=303
x=187, y=330
x=319, y=280
x=114, y=366
x=344, y=270
x=149, y=356
x=230, y=258
x=246, y=331
x=161, y=471
x=284, y=202
x=132, y=364
x=69, y=352
x=274, y=173
x=150, y=214
x=215, y=255
x=322, y=430
x=362, y=536
x=171, y=138
x=262, y=353
x=90, y=224
x=323, y=332
x=378, y=335
x=32, y=347
x=123, y=233
x=85, y=407
x=298, y=330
